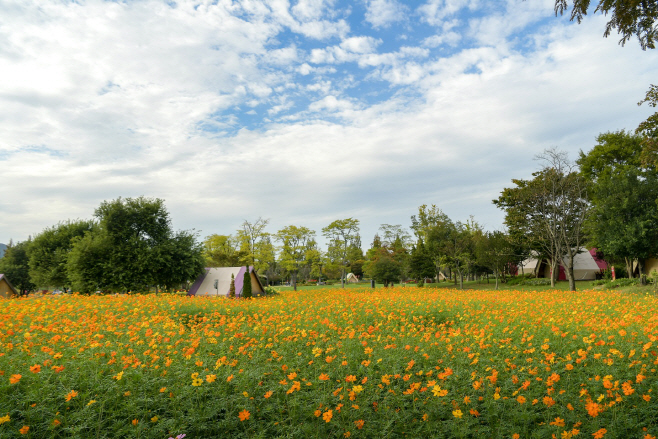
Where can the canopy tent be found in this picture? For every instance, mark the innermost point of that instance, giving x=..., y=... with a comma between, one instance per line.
x=216, y=281
x=6, y=288
x=586, y=266
x=351, y=278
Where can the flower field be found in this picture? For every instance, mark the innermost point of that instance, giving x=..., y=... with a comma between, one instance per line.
x=397, y=362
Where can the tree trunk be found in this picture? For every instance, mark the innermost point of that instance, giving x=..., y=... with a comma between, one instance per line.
x=461, y=280
x=568, y=268
x=643, y=278
x=554, y=272
x=294, y=281
x=342, y=278
x=496, y=273
x=629, y=267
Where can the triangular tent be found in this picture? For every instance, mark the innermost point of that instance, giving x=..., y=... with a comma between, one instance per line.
x=216, y=281
x=585, y=266
x=351, y=278
x=6, y=288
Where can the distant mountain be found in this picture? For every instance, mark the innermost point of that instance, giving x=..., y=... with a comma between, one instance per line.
x=2, y=250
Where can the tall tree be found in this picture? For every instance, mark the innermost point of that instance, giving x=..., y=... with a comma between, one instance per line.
x=254, y=243
x=495, y=251
x=553, y=205
x=421, y=265
x=341, y=233
x=134, y=247
x=223, y=251
x=15, y=265
x=50, y=249
x=433, y=226
x=623, y=221
x=297, y=244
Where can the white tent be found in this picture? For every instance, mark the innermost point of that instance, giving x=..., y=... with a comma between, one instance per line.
x=351, y=278
x=584, y=266
x=216, y=281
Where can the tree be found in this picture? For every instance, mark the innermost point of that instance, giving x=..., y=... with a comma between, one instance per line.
x=246, y=285
x=223, y=251
x=458, y=249
x=296, y=243
x=623, y=221
x=341, y=233
x=15, y=265
x=383, y=267
x=649, y=130
x=231, y=289
x=49, y=251
x=133, y=248
x=255, y=244
x=420, y=262
x=433, y=227
x=495, y=251
x=629, y=17
x=552, y=208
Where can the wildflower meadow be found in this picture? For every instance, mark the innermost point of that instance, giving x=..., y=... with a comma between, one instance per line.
x=396, y=362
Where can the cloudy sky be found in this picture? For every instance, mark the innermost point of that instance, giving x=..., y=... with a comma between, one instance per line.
x=301, y=111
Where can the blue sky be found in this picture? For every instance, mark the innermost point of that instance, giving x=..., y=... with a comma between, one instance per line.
x=302, y=112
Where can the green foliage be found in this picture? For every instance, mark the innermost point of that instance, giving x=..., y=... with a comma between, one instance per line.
x=623, y=220
x=222, y=251
x=14, y=265
x=341, y=235
x=629, y=18
x=133, y=247
x=383, y=266
x=298, y=249
x=231, y=291
x=246, y=286
x=49, y=252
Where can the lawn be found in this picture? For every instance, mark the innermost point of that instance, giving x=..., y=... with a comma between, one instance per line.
x=362, y=363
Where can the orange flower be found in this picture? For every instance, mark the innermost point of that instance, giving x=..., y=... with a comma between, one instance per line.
x=15, y=378
x=326, y=416
x=36, y=368
x=599, y=433
x=211, y=378
x=24, y=430
x=559, y=422
x=516, y=436
x=323, y=377
x=268, y=394
x=359, y=424
x=521, y=399
x=244, y=415
x=135, y=422
x=71, y=394
x=350, y=378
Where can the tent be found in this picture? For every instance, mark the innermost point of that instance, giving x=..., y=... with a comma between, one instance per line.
x=216, y=281
x=7, y=290
x=351, y=278
x=586, y=266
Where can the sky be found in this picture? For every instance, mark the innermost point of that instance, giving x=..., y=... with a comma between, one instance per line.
x=301, y=112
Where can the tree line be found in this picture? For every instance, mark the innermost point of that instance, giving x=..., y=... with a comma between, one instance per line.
x=607, y=198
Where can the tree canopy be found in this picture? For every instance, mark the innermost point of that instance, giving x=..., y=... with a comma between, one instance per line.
x=631, y=18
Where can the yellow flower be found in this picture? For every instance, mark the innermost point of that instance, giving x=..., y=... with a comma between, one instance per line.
x=118, y=376
x=457, y=413
x=91, y=402
x=154, y=419
x=196, y=382
x=4, y=419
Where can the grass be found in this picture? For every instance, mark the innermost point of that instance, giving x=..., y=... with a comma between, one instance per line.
x=395, y=362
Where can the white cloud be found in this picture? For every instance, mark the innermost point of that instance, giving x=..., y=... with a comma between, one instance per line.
x=435, y=12
x=381, y=13
x=104, y=99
